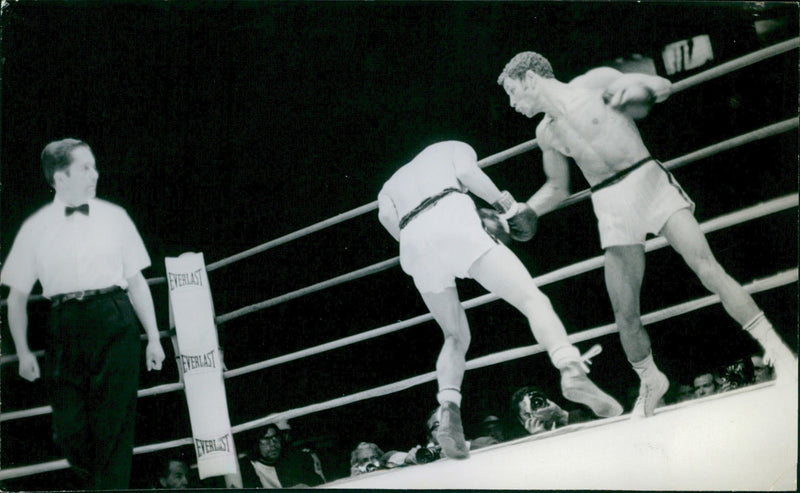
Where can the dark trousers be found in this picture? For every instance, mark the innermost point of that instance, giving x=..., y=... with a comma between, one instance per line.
x=93, y=376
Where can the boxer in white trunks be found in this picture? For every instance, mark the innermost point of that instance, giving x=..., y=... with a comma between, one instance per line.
x=591, y=119
x=425, y=207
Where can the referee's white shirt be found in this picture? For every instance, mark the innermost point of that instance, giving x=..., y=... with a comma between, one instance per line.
x=77, y=252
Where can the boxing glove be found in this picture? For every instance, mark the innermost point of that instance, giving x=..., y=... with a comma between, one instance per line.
x=495, y=226
x=522, y=220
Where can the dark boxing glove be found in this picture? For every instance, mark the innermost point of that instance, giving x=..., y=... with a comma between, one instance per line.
x=521, y=218
x=495, y=226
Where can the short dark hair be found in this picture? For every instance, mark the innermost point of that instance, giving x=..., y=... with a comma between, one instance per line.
x=165, y=471
x=520, y=394
x=522, y=62
x=164, y=460
x=270, y=426
x=56, y=156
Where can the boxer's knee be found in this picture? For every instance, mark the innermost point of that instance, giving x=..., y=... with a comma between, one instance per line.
x=459, y=341
x=708, y=270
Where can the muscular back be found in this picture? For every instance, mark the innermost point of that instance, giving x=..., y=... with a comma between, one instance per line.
x=601, y=139
x=430, y=172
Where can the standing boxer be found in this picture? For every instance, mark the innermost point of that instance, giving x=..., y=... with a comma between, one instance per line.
x=591, y=119
x=88, y=257
x=425, y=207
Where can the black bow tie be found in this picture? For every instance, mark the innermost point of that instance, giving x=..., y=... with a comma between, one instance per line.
x=83, y=209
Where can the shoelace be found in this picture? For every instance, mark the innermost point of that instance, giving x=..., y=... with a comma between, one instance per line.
x=586, y=358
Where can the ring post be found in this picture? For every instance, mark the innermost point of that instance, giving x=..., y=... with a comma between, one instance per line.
x=200, y=365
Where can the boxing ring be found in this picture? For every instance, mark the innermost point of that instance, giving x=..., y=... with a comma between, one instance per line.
x=665, y=451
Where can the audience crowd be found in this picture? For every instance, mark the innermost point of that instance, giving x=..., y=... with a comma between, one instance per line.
x=274, y=461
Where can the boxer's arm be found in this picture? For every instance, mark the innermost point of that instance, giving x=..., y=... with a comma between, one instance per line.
x=556, y=189
x=465, y=163
x=387, y=215
x=615, y=83
x=628, y=88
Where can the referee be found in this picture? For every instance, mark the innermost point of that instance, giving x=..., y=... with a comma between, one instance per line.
x=88, y=257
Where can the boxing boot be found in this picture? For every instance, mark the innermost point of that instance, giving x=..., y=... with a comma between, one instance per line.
x=776, y=352
x=451, y=433
x=652, y=388
x=577, y=387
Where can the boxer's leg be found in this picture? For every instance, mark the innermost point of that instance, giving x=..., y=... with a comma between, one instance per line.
x=686, y=237
x=624, y=271
x=450, y=366
x=502, y=273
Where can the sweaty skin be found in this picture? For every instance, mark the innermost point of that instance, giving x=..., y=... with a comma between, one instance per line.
x=602, y=140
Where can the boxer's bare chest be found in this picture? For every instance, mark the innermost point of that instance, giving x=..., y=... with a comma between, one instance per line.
x=599, y=139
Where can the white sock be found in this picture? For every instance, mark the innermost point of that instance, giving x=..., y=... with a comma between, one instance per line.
x=758, y=327
x=645, y=365
x=449, y=394
x=563, y=355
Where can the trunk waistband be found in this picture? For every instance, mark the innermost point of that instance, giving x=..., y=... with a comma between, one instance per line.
x=426, y=204
x=622, y=174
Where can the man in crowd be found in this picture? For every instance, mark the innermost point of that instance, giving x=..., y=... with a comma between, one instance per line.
x=273, y=464
x=704, y=385
x=173, y=474
x=533, y=413
x=366, y=457
x=88, y=257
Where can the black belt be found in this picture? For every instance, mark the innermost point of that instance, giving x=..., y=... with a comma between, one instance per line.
x=426, y=204
x=82, y=295
x=617, y=177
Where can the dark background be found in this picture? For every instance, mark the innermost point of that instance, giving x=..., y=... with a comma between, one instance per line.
x=223, y=125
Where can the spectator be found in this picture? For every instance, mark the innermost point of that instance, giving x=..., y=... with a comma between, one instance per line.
x=173, y=474
x=704, y=385
x=422, y=454
x=366, y=457
x=273, y=464
x=735, y=375
x=761, y=371
x=491, y=426
x=685, y=392
x=535, y=413
x=431, y=451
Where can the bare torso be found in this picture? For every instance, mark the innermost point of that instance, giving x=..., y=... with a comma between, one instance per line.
x=601, y=140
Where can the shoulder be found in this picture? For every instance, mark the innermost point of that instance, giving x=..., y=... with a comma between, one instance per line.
x=543, y=136
x=108, y=207
x=42, y=218
x=458, y=146
x=448, y=146
x=110, y=211
x=597, y=78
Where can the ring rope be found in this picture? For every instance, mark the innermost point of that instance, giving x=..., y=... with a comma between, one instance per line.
x=779, y=279
x=676, y=87
x=721, y=222
x=736, y=64
x=768, y=131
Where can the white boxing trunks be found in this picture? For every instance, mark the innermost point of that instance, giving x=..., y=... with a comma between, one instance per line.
x=639, y=203
x=442, y=242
